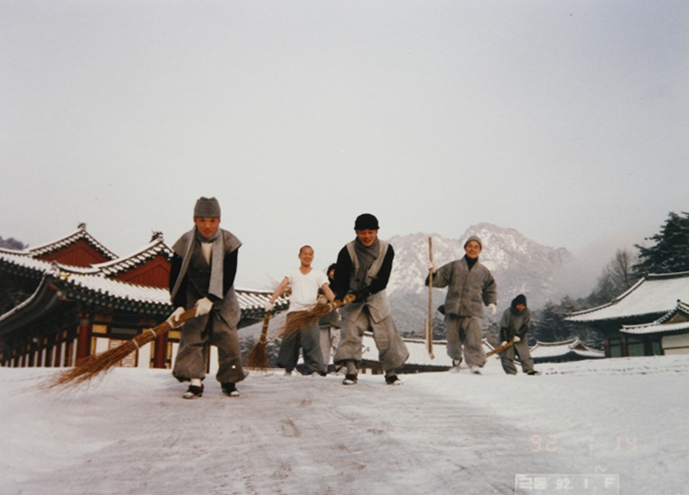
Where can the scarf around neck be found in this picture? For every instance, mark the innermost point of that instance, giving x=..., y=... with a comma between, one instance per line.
x=367, y=255
x=215, y=286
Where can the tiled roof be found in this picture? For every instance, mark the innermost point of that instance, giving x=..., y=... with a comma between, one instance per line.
x=70, y=239
x=156, y=247
x=543, y=350
x=22, y=260
x=651, y=296
x=660, y=325
x=96, y=289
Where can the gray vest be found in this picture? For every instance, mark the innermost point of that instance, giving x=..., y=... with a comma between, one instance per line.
x=198, y=276
x=378, y=304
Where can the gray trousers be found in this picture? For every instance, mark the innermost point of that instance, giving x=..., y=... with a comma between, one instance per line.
x=464, y=339
x=392, y=351
x=307, y=339
x=330, y=337
x=197, y=335
x=521, y=349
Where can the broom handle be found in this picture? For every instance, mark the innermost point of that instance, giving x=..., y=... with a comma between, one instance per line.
x=430, y=299
x=501, y=348
x=264, y=330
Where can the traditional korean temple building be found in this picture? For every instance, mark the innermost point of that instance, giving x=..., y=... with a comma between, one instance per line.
x=72, y=298
x=636, y=322
x=671, y=329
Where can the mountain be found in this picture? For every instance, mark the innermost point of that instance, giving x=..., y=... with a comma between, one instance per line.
x=519, y=265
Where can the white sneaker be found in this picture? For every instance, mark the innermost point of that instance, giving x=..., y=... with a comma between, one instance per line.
x=475, y=370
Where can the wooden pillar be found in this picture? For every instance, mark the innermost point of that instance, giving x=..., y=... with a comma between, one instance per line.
x=625, y=348
x=160, y=356
x=58, y=350
x=84, y=340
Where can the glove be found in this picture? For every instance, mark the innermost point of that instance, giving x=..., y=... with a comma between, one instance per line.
x=174, y=317
x=203, y=306
x=491, y=309
x=268, y=307
x=516, y=339
x=431, y=267
x=503, y=343
x=362, y=295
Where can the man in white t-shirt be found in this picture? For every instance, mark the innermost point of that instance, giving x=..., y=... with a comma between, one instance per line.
x=305, y=283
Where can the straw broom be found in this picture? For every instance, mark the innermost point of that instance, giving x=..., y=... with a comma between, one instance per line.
x=304, y=319
x=258, y=356
x=93, y=366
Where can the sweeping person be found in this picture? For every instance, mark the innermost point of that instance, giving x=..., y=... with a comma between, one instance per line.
x=305, y=283
x=514, y=324
x=202, y=273
x=329, y=326
x=363, y=269
x=470, y=285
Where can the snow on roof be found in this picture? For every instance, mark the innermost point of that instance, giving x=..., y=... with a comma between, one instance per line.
x=115, y=289
x=70, y=239
x=156, y=247
x=664, y=324
x=23, y=260
x=652, y=295
x=544, y=350
x=28, y=262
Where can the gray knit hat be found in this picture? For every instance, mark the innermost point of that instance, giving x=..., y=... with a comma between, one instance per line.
x=474, y=238
x=207, y=207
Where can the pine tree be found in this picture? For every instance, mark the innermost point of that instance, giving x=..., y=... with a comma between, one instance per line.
x=12, y=243
x=671, y=250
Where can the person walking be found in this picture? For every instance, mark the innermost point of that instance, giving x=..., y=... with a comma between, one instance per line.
x=470, y=286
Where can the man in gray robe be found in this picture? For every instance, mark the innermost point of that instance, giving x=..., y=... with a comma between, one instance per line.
x=202, y=275
x=470, y=285
x=363, y=269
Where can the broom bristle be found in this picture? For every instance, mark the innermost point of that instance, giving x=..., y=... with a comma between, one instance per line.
x=93, y=366
x=258, y=356
x=304, y=319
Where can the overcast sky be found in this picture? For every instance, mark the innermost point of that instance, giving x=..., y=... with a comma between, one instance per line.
x=566, y=120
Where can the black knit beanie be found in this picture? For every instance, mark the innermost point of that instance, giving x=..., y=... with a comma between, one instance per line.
x=520, y=299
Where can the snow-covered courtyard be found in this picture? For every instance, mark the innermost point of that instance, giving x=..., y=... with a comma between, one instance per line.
x=621, y=422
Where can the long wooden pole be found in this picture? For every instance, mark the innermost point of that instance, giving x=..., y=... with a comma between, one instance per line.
x=429, y=323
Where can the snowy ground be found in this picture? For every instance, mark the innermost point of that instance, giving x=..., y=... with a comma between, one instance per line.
x=439, y=433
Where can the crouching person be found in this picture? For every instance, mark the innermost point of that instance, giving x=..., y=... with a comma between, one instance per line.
x=202, y=275
x=515, y=324
x=363, y=269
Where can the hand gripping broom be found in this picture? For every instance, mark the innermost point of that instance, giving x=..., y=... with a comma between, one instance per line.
x=258, y=356
x=92, y=366
x=304, y=319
